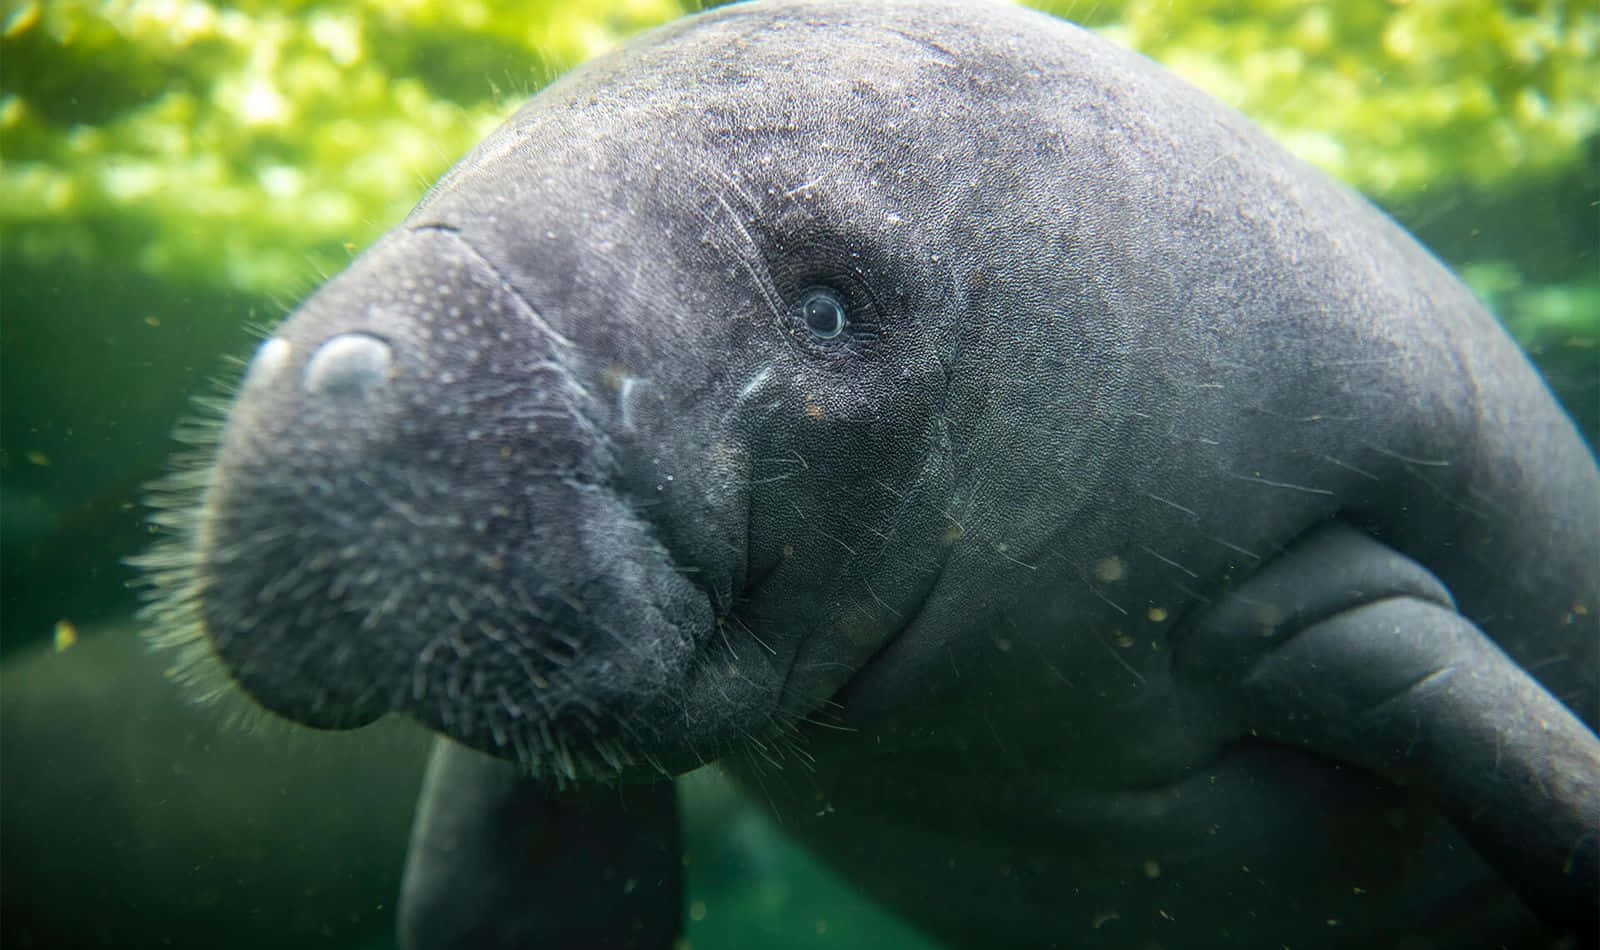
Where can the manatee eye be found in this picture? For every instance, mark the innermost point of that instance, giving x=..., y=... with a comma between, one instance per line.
x=823, y=312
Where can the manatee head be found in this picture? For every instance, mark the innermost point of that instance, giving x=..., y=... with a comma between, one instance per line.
x=627, y=448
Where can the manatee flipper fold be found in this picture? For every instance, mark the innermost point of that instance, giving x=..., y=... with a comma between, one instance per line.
x=500, y=861
x=1344, y=647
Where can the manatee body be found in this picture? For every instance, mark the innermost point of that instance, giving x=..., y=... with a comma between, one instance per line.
x=1082, y=523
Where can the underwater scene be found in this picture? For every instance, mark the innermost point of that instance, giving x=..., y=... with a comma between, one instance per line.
x=178, y=176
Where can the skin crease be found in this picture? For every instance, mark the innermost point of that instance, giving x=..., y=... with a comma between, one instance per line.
x=563, y=469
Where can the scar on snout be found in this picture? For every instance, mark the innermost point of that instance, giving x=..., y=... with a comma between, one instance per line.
x=624, y=399
x=755, y=382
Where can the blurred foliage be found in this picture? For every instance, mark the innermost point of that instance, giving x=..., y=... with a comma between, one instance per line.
x=255, y=144
x=1392, y=96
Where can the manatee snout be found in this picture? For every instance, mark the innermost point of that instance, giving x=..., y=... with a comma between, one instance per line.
x=413, y=510
x=327, y=399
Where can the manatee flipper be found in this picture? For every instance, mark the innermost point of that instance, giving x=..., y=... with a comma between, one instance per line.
x=1349, y=649
x=502, y=861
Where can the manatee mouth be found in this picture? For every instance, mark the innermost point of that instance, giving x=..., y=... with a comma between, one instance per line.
x=414, y=614
x=402, y=518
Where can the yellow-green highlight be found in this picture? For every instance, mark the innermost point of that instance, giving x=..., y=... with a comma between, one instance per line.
x=256, y=145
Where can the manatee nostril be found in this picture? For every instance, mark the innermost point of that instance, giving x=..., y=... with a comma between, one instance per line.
x=268, y=362
x=352, y=363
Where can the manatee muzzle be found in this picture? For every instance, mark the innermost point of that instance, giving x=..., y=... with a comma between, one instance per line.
x=412, y=510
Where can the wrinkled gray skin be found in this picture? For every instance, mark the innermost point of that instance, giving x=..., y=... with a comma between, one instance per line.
x=1167, y=550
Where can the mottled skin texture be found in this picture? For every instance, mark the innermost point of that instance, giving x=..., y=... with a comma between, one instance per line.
x=1167, y=551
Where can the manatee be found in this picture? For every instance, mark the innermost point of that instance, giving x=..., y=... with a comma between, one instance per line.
x=1080, y=522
